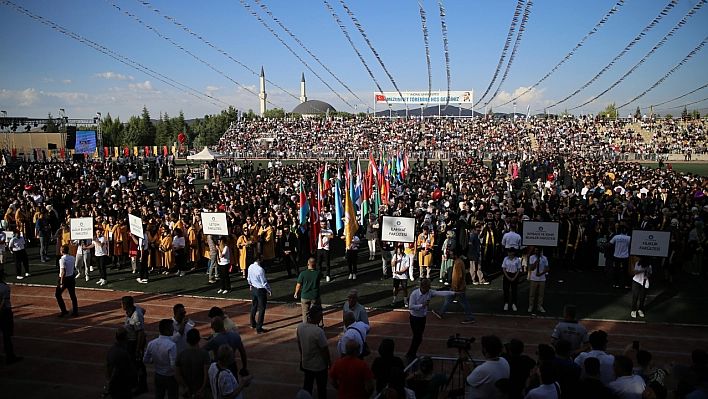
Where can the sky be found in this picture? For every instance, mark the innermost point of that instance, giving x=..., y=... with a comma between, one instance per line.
x=44, y=69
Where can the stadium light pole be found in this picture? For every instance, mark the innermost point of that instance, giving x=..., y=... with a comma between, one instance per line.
x=98, y=120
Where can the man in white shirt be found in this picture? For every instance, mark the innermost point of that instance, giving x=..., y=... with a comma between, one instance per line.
x=353, y=330
x=538, y=268
x=482, y=379
x=66, y=282
x=401, y=266
x=598, y=342
x=512, y=239
x=419, y=302
x=323, y=249
x=223, y=383
x=163, y=352
x=100, y=250
x=621, y=242
x=626, y=385
x=181, y=326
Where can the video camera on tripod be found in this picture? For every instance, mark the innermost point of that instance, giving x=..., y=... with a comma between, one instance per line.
x=455, y=341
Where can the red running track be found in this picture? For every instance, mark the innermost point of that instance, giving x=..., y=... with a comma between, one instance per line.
x=64, y=358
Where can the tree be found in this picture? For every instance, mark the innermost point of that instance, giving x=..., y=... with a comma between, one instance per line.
x=275, y=113
x=50, y=127
x=669, y=116
x=695, y=114
x=490, y=113
x=146, y=130
x=638, y=113
x=361, y=115
x=610, y=112
x=164, y=135
x=684, y=113
x=112, y=131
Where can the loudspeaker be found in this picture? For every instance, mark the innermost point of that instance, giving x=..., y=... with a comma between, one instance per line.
x=71, y=137
x=51, y=146
x=78, y=157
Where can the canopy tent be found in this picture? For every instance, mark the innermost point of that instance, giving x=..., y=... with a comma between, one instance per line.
x=205, y=155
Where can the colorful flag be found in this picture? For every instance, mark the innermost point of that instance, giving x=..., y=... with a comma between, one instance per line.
x=314, y=224
x=350, y=224
x=304, y=208
x=327, y=184
x=338, y=207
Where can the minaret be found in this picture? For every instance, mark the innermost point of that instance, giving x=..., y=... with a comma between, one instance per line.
x=303, y=97
x=262, y=95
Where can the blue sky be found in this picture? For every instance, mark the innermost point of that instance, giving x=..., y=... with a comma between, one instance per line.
x=44, y=70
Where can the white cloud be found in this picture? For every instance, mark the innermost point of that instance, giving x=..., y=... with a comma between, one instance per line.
x=212, y=88
x=534, y=97
x=141, y=86
x=113, y=75
x=67, y=81
x=19, y=98
x=47, y=80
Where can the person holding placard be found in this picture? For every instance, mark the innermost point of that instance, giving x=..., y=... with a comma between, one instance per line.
x=17, y=246
x=640, y=285
x=511, y=267
x=83, y=257
x=224, y=262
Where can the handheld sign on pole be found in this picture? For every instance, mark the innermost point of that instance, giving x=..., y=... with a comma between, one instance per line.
x=398, y=229
x=540, y=234
x=650, y=243
x=214, y=223
x=136, y=225
x=81, y=228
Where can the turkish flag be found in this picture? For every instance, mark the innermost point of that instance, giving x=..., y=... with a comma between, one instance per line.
x=181, y=138
x=105, y=151
x=380, y=98
x=61, y=152
x=314, y=222
x=147, y=151
x=164, y=150
x=126, y=151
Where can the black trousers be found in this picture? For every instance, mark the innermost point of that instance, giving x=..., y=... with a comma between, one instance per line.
x=69, y=285
x=224, y=274
x=418, y=327
x=638, y=293
x=165, y=384
x=101, y=263
x=138, y=363
x=352, y=260
x=7, y=326
x=21, y=260
x=291, y=264
x=514, y=285
x=323, y=256
x=259, y=300
x=143, y=266
x=620, y=269
x=181, y=260
x=321, y=378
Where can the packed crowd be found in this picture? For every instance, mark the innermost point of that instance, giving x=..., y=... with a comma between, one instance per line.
x=444, y=138
x=464, y=208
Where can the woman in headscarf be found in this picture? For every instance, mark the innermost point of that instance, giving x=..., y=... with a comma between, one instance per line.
x=448, y=246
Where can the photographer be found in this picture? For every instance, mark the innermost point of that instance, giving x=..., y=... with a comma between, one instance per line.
x=482, y=379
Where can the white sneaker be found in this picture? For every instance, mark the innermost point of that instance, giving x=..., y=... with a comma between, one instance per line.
x=27, y=274
x=441, y=280
x=182, y=274
x=99, y=281
x=541, y=309
x=354, y=276
x=135, y=271
x=633, y=314
x=327, y=279
x=139, y=280
x=90, y=268
x=225, y=291
x=350, y=277
x=640, y=313
x=87, y=277
x=446, y=283
x=20, y=277
x=506, y=306
x=144, y=281
x=219, y=292
x=530, y=309
x=104, y=282
x=77, y=275
x=513, y=307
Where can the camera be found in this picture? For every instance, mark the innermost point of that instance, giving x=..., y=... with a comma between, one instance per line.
x=455, y=341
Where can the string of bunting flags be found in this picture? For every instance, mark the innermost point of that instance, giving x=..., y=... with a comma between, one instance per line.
x=661, y=42
x=366, y=39
x=443, y=25
x=262, y=21
x=594, y=30
x=124, y=60
x=682, y=96
x=624, y=51
x=297, y=40
x=522, y=28
x=346, y=34
x=426, y=43
x=138, y=20
x=512, y=29
x=674, y=69
x=203, y=40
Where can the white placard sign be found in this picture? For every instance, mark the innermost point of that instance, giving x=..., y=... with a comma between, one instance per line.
x=650, y=243
x=81, y=228
x=542, y=234
x=214, y=223
x=398, y=229
x=136, y=225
